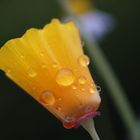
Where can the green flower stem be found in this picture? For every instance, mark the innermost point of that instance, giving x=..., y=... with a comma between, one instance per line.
x=115, y=89
x=107, y=74
x=88, y=125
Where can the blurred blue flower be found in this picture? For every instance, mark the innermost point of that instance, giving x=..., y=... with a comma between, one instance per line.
x=96, y=23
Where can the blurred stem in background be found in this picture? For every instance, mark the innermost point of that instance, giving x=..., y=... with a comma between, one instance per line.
x=108, y=76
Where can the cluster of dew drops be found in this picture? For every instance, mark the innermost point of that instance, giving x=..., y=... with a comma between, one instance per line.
x=65, y=77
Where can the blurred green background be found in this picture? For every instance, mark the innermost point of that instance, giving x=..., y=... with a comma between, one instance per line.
x=23, y=118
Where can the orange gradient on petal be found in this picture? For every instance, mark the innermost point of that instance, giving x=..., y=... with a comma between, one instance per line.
x=45, y=63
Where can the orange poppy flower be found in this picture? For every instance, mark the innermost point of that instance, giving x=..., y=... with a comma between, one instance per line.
x=50, y=65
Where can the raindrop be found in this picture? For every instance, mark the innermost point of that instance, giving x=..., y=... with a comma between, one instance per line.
x=58, y=108
x=65, y=77
x=8, y=73
x=74, y=87
x=69, y=122
x=47, y=98
x=41, y=54
x=44, y=66
x=54, y=65
x=91, y=90
x=59, y=99
x=82, y=80
x=98, y=88
x=8, y=70
x=83, y=60
x=82, y=89
x=92, y=85
x=32, y=73
x=88, y=109
x=34, y=88
x=21, y=56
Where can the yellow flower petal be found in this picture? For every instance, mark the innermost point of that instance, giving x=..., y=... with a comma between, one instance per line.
x=45, y=63
x=80, y=6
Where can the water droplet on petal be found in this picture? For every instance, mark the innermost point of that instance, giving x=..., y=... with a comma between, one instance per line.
x=8, y=73
x=92, y=85
x=83, y=60
x=82, y=80
x=91, y=90
x=82, y=89
x=34, y=88
x=54, y=65
x=32, y=73
x=58, y=108
x=21, y=56
x=59, y=99
x=41, y=54
x=88, y=109
x=69, y=123
x=74, y=87
x=44, y=66
x=8, y=70
x=98, y=88
x=65, y=77
x=47, y=98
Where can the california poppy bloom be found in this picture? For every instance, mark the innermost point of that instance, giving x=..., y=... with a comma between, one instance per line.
x=95, y=22
x=50, y=65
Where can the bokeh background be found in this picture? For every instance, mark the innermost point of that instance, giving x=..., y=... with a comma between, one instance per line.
x=22, y=118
